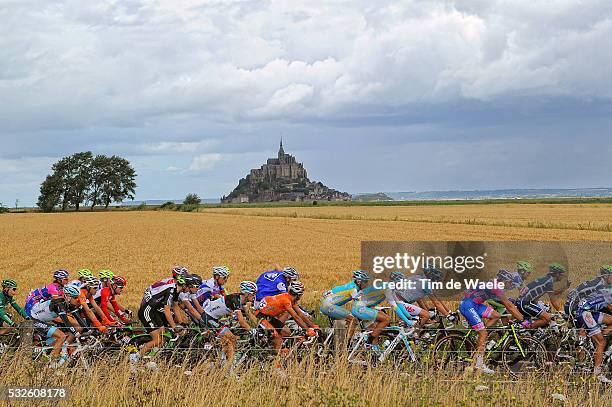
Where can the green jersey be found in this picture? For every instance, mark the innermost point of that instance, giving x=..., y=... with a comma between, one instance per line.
x=5, y=300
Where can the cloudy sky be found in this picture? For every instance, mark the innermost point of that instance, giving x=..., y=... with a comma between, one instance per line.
x=392, y=96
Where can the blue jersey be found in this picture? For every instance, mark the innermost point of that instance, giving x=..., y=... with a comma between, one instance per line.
x=536, y=289
x=597, y=301
x=370, y=296
x=341, y=294
x=575, y=296
x=271, y=283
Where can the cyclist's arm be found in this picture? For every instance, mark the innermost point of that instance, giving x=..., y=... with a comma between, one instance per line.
x=62, y=314
x=511, y=308
x=556, y=302
x=4, y=317
x=297, y=318
x=179, y=315
x=402, y=313
x=190, y=309
x=98, y=311
x=104, y=304
x=18, y=308
x=197, y=306
x=168, y=315
x=90, y=315
x=81, y=323
x=242, y=320
x=303, y=315
x=119, y=311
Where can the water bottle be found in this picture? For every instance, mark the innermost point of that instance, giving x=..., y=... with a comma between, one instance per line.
x=386, y=343
x=608, y=352
x=490, y=344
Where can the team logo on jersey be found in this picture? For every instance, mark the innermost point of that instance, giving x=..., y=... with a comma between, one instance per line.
x=271, y=276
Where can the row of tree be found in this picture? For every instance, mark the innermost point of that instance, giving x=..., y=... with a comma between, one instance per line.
x=82, y=179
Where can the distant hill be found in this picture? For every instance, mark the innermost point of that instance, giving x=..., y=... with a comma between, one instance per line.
x=502, y=194
x=379, y=196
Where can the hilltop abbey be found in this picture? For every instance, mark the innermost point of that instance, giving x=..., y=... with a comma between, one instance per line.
x=281, y=179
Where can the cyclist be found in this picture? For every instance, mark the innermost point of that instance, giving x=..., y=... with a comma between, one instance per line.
x=107, y=292
x=232, y=304
x=575, y=296
x=529, y=295
x=274, y=282
x=53, y=321
x=213, y=287
x=48, y=292
x=9, y=290
x=512, y=280
x=89, y=286
x=273, y=311
x=157, y=310
x=82, y=273
x=188, y=299
x=365, y=298
x=593, y=312
x=474, y=308
x=403, y=300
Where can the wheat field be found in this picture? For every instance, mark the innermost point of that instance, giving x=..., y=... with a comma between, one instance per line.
x=323, y=243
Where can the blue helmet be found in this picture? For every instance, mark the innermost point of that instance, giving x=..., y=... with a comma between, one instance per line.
x=511, y=277
x=71, y=291
x=397, y=276
x=433, y=273
x=248, y=287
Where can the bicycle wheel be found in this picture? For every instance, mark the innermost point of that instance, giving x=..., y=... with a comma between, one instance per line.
x=452, y=352
x=530, y=356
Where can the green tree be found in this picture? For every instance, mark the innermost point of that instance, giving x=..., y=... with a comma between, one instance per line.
x=79, y=177
x=3, y=209
x=120, y=183
x=192, y=199
x=51, y=191
x=101, y=173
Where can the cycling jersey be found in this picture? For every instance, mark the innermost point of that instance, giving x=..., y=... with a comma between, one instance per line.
x=42, y=294
x=6, y=300
x=582, y=291
x=275, y=305
x=536, y=289
x=46, y=312
x=591, y=310
x=209, y=289
x=370, y=296
x=473, y=306
x=340, y=294
x=414, y=294
x=402, y=300
x=270, y=283
x=102, y=297
x=160, y=294
x=223, y=306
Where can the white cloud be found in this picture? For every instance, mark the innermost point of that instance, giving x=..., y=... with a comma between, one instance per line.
x=204, y=162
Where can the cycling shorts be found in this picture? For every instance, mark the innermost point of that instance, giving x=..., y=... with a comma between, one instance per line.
x=474, y=313
x=333, y=311
x=592, y=321
x=361, y=311
x=151, y=318
x=529, y=309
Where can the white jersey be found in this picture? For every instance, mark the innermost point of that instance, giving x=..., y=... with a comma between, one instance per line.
x=187, y=297
x=42, y=312
x=216, y=308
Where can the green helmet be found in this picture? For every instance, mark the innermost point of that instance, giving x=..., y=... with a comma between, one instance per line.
x=556, y=268
x=180, y=279
x=523, y=265
x=606, y=270
x=84, y=273
x=106, y=273
x=9, y=283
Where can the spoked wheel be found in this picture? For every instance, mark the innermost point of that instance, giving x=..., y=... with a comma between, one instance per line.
x=526, y=356
x=452, y=352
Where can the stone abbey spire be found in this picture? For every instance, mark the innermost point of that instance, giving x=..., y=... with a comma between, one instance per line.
x=281, y=179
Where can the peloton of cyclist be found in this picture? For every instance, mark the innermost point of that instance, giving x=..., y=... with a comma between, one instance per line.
x=7, y=297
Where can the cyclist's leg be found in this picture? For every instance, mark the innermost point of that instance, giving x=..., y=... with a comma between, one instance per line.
x=59, y=339
x=534, y=311
x=593, y=321
x=337, y=312
x=469, y=310
x=381, y=320
x=228, y=344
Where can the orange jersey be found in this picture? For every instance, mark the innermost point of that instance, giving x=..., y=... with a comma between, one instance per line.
x=275, y=305
x=83, y=297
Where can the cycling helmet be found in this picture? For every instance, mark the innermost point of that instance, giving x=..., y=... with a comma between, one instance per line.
x=90, y=281
x=106, y=273
x=221, y=271
x=248, y=287
x=606, y=270
x=290, y=273
x=176, y=270
x=524, y=266
x=397, y=276
x=193, y=280
x=60, y=274
x=180, y=279
x=556, y=268
x=510, y=277
x=119, y=281
x=432, y=273
x=84, y=273
x=361, y=275
x=9, y=283
x=71, y=291
x=296, y=287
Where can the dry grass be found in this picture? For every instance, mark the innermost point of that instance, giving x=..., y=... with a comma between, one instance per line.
x=320, y=243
